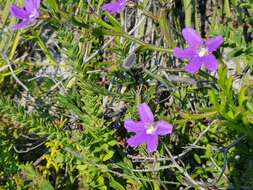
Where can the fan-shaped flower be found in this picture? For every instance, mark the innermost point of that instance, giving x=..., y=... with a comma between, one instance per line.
x=115, y=7
x=199, y=52
x=28, y=13
x=146, y=130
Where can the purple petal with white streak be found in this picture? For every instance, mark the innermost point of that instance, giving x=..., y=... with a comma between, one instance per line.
x=210, y=62
x=145, y=113
x=22, y=24
x=214, y=43
x=134, y=126
x=152, y=143
x=184, y=53
x=115, y=7
x=163, y=128
x=192, y=37
x=137, y=140
x=194, y=65
x=29, y=6
x=36, y=4
x=18, y=12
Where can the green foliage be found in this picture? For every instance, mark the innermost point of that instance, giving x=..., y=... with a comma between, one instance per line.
x=65, y=94
x=9, y=159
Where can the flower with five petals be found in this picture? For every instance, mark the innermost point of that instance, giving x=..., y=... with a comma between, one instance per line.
x=199, y=52
x=28, y=13
x=146, y=130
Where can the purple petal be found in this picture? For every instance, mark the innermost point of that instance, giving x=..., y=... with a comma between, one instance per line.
x=214, y=43
x=18, y=12
x=192, y=37
x=137, y=140
x=22, y=24
x=163, y=128
x=112, y=8
x=122, y=4
x=36, y=4
x=210, y=62
x=134, y=126
x=184, y=53
x=194, y=65
x=115, y=7
x=29, y=5
x=145, y=113
x=152, y=143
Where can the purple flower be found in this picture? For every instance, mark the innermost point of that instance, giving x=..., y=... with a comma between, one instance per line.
x=146, y=130
x=115, y=7
x=28, y=13
x=199, y=51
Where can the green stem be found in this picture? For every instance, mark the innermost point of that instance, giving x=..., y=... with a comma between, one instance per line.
x=146, y=46
x=165, y=28
x=188, y=12
x=150, y=15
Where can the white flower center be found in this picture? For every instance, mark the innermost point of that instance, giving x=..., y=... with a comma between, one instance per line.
x=150, y=129
x=202, y=51
x=33, y=14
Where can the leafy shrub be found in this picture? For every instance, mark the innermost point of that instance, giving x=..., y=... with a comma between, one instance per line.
x=72, y=77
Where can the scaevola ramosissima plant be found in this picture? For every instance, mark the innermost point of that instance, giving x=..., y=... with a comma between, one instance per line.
x=115, y=7
x=146, y=130
x=27, y=14
x=199, y=51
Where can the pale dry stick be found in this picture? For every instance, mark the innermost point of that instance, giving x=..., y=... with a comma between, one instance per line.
x=40, y=76
x=225, y=163
x=103, y=168
x=137, y=25
x=98, y=70
x=170, y=4
x=181, y=154
x=87, y=49
x=184, y=172
x=30, y=138
x=57, y=84
x=195, y=142
x=39, y=160
x=28, y=149
x=105, y=98
x=143, y=170
x=141, y=158
x=225, y=160
x=134, y=31
x=35, y=78
x=195, y=147
x=153, y=169
x=97, y=51
x=91, y=6
x=219, y=168
x=133, y=48
x=200, y=136
x=54, y=87
x=13, y=73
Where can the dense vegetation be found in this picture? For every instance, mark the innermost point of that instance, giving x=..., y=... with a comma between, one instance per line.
x=72, y=77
